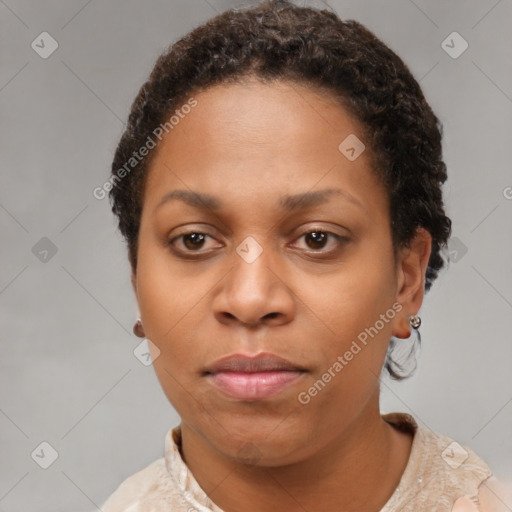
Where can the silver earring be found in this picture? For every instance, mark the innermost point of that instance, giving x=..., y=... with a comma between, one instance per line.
x=415, y=321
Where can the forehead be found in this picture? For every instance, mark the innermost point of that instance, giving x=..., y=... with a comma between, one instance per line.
x=260, y=138
x=266, y=112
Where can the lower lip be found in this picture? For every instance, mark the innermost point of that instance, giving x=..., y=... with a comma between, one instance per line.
x=253, y=386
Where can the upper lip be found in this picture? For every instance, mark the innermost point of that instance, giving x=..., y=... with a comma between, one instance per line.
x=263, y=362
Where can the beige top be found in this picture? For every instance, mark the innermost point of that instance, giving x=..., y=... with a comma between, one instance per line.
x=441, y=475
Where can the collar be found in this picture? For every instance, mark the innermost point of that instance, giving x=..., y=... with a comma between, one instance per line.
x=194, y=495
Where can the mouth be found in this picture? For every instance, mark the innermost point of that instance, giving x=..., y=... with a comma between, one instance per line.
x=253, y=378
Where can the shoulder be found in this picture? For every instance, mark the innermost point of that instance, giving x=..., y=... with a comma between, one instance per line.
x=440, y=471
x=159, y=487
x=137, y=487
x=458, y=463
x=456, y=469
x=495, y=496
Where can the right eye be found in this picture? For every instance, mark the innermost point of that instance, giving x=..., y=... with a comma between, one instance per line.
x=191, y=240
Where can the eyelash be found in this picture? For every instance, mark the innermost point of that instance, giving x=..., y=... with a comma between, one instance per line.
x=341, y=240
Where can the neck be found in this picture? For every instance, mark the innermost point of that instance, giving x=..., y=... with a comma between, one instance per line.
x=370, y=452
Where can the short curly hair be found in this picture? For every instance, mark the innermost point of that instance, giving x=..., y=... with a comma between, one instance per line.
x=278, y=40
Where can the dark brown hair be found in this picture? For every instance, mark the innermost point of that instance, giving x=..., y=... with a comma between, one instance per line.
x=279, y=40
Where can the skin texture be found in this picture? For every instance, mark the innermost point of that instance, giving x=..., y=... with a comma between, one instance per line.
x=301, y=299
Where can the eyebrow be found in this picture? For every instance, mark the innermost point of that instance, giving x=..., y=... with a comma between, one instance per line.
x=289, y=203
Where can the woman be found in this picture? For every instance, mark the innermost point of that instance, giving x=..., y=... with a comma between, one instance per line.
x=279, y=189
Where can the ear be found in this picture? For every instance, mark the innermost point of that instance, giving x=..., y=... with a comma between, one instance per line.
x=134, y=281
x=138, y=329
x=412, y=263
x=134, y=284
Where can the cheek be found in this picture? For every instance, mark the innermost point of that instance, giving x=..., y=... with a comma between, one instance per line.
x=172, y=312
x=346, y=303
x=162, y=295
x=355, y=314
x=179, y=388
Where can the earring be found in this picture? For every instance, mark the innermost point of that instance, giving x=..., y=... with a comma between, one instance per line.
x=138, y=330
x=415, y=321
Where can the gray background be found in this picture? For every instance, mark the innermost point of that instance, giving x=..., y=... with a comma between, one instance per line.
x=68, y=373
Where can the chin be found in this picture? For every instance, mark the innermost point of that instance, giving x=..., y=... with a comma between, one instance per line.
x=265, y=442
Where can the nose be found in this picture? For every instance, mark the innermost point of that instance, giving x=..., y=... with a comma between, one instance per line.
x=255, y=293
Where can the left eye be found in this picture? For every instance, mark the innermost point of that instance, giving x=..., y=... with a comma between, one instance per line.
x=317, y=238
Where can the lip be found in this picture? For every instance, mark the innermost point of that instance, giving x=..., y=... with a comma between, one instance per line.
x=262, y=362
x=253, y=377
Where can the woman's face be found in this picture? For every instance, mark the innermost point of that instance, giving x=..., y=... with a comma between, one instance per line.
x=289, y=255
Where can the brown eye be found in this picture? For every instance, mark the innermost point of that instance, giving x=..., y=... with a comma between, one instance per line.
x=191, y=242
x=317, y=239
